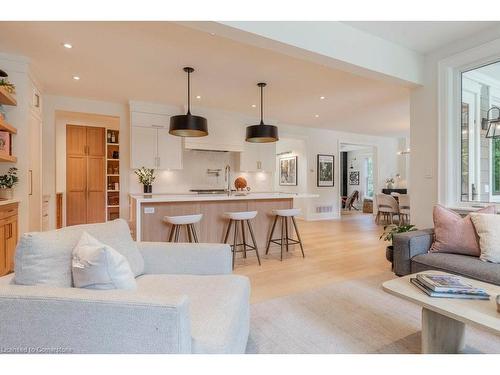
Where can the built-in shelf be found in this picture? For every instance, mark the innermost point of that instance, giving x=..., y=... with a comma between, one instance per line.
x=6, y=127
x=112, y=144
x=112, y=195
x=113, y=206
x=113, y=191
x=8, y=159
x=113, y=175
x=113, y=159
x=6, y=97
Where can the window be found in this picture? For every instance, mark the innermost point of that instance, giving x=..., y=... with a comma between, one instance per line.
x=480, y=156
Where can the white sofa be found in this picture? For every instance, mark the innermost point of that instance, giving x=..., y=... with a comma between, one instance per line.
x=187, y=300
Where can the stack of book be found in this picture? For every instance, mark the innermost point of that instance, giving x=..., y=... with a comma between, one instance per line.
x=447, y=286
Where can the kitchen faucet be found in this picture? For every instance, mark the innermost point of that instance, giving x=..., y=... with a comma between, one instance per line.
x=227, y=178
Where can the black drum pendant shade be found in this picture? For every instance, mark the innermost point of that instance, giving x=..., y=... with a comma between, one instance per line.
x=261, y=133
x=188, y=125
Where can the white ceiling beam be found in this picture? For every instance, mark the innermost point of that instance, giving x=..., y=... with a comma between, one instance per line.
x=333, y=44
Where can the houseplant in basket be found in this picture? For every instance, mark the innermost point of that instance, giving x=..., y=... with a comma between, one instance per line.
x=7, y=182
x=146, y=177
x=388, y=235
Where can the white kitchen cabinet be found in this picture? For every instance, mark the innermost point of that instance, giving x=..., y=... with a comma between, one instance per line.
x=151, y=144
x=226, y=132
x=143, y=147
x=258, y=157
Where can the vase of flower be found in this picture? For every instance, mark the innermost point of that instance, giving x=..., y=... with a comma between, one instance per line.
x=146, y=177
x=389, y=183
x=7, y=183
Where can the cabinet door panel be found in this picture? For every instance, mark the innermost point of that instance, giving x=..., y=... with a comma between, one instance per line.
x=76, y=189
x=10, y=243
x=3, y=252
x=76, y=140
x=96, y=194
x=143, y=147
x=169, y=150
x=96, y=141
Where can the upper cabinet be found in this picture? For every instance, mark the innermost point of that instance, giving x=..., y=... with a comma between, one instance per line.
x=258, y=157
x=150, y=143
x=226, y=132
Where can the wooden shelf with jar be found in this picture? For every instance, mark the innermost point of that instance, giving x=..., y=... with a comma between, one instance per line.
x=6, y=130
x=112, y=174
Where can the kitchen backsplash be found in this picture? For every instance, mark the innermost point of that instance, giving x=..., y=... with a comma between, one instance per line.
x=195, y=174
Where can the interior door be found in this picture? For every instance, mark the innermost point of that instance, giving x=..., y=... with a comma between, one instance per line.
x=143, y=147
x=96, y=185
x=34, y=175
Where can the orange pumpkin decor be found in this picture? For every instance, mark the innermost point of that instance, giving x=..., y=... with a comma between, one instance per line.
x=240, y=183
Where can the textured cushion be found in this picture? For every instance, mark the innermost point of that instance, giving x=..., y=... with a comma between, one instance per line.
x=45, y=257
x=488, y=230
x=218, y=305
x=464, y=265
x=99, y=266
x=454, y=234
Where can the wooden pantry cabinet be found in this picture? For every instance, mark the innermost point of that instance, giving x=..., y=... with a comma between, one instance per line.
x=8, y=237
x=85, y=175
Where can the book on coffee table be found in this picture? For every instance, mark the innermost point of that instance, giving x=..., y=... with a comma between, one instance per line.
x=447, y=284
x=474, y=293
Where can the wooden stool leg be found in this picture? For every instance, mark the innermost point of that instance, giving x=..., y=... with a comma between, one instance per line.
x=244, y=239
x=177, y=233
x=271, y=234
x=298, y=236
x=193, y=230
x=228, y=230
x=286, y=233
x=171, y=234
x=235, y=241
x=253, y=240
x=282, y=234
x=188, y=232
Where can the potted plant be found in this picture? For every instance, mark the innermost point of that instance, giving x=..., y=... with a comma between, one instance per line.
x=7, y=182
x=146, y=177
x=388, y=235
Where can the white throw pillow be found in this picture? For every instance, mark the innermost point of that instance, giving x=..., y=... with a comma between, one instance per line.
x=99, y=266
x=488, y=230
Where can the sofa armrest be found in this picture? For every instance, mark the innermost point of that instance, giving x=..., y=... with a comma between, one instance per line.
x=72, y=320
x=407, y=245
x=186, y=258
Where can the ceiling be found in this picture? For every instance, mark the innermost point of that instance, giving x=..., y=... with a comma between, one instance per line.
x=422, y=36
x=121, y=61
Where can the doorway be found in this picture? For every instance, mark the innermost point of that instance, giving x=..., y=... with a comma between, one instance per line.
x=357, y=178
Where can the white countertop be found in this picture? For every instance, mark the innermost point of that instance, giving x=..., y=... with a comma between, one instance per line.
x=4, y=202
x=153, y=198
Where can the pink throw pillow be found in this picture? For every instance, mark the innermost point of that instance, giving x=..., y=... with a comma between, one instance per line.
x=456, y=234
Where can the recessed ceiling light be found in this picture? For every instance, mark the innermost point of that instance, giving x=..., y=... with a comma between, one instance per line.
x=316, y=116
x=76, y=78
x=322, y=97
x=67, y=45
x=198, y=96
x=254, y=105
x=213, y=34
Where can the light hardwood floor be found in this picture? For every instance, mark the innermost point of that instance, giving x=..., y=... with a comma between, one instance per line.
x=336, y=250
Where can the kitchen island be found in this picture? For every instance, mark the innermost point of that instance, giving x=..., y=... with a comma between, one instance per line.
x=147, y=212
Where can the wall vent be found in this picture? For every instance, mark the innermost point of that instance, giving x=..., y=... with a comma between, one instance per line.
x=323, y=209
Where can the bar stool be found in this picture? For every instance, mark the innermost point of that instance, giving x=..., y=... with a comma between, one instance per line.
x=240, y=218
x=285, y=240
x=187, y=221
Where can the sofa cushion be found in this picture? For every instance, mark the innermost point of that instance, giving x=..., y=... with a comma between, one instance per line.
x=463, y=265
x=45, y=257
x=454, y=234
x=488, y=229
x=99, y=266
x=218, y=306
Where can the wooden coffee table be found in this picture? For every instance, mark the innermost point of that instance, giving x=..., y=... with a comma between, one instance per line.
x=444, y=319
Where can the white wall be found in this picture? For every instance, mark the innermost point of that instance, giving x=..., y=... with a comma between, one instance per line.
x=425, y=131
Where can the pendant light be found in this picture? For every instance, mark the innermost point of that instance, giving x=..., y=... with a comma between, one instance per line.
x=493, y=123
x=188, y=125
x=262, y=133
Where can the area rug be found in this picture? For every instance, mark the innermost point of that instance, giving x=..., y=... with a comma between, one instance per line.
x=354, y=316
